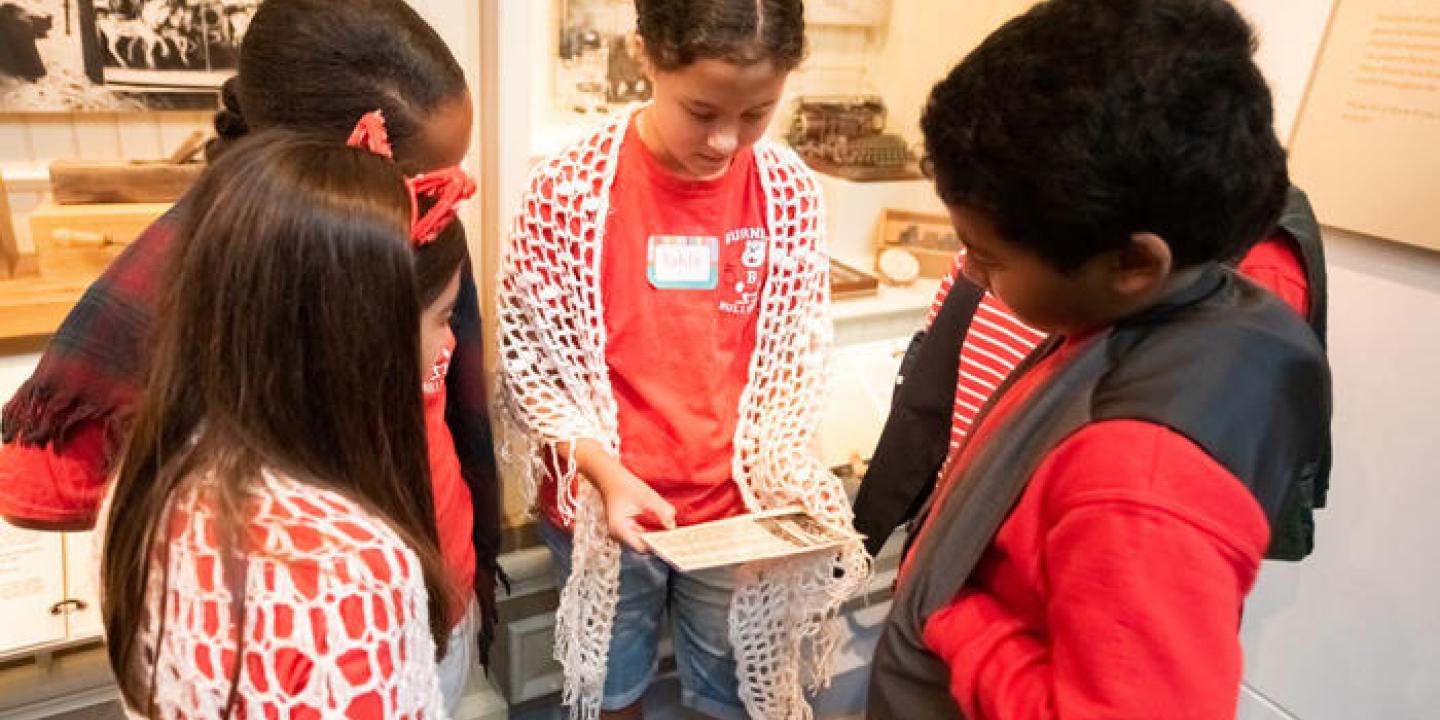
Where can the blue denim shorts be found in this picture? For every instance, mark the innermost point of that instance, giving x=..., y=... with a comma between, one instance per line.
x=698, y=604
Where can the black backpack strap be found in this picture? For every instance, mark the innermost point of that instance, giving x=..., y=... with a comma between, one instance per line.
x=916, y=436
x=1298, y=221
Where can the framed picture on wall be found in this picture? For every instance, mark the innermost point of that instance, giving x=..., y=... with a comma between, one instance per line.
x=109, y=55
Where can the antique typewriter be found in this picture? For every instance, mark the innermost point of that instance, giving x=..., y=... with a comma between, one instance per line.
x=845, y=136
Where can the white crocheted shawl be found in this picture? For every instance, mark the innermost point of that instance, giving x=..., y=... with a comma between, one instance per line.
x=555, y=388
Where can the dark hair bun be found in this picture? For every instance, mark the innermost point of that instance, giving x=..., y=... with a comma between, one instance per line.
x=230, y=119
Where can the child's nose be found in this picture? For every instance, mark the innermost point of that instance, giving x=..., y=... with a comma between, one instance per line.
x=724, y=142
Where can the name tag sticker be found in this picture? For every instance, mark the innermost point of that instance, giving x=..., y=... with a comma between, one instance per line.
x=681, y=262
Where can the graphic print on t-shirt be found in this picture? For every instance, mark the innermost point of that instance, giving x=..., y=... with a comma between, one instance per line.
x=435, y=382
x=742, y=274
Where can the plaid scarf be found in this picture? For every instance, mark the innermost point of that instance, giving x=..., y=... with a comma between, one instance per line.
x=94, y=366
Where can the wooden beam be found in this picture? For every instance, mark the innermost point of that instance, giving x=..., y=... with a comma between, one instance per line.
x=9, y=247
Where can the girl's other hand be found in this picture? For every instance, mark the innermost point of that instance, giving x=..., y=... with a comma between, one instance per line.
x=631, y=506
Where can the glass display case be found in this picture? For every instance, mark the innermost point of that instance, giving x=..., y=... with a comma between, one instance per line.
x=596, y=62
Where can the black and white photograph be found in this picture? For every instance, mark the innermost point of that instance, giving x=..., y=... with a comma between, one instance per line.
x=800, y=530
x=115, y=55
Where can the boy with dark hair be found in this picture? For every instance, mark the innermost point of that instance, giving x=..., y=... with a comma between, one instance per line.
x=1088, y=549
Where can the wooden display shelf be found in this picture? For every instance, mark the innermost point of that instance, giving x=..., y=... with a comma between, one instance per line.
x=848, y=282
x=73, y=246
x=9, y=248
x=34, y=306
x=867, y=173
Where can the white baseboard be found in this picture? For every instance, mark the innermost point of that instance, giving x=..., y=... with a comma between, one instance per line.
x=63, y=682
x=482, y=701
x=1255, y=706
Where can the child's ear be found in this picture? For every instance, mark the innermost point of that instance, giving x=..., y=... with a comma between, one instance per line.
x=637, y=50
x=1141, y=266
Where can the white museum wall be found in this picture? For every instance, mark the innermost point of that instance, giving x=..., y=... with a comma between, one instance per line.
x=1290, y=32
x=1352, y=632
x=924, y=39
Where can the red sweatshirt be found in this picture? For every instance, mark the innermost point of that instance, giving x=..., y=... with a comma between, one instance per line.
x=1113, y=590
x=1115, y=587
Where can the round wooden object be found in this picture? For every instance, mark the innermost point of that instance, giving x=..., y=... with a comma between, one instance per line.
x=898, y=266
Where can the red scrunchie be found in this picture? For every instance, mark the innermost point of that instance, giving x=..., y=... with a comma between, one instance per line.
x=448, y=186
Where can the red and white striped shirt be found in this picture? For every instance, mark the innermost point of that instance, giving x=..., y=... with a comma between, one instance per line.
x=996, y=342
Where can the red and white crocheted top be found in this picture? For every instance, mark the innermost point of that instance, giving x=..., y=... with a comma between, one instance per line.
x=335, y=616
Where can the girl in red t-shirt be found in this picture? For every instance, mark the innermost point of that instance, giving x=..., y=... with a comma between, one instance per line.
x=663, y=323
x=439, y=265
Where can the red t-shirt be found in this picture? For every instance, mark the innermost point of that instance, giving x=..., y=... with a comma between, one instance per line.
x=1275, y=264
x=454, y=514
x=678, y=346
x=332, y=616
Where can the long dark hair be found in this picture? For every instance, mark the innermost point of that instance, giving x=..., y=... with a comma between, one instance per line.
x=679, y=32
x=318, y=65
x=287, y=340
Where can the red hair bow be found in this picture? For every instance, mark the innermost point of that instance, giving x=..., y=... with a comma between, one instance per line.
x=447, y=187
x=370, y=134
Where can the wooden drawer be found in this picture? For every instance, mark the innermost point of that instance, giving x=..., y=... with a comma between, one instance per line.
x=77, y=242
